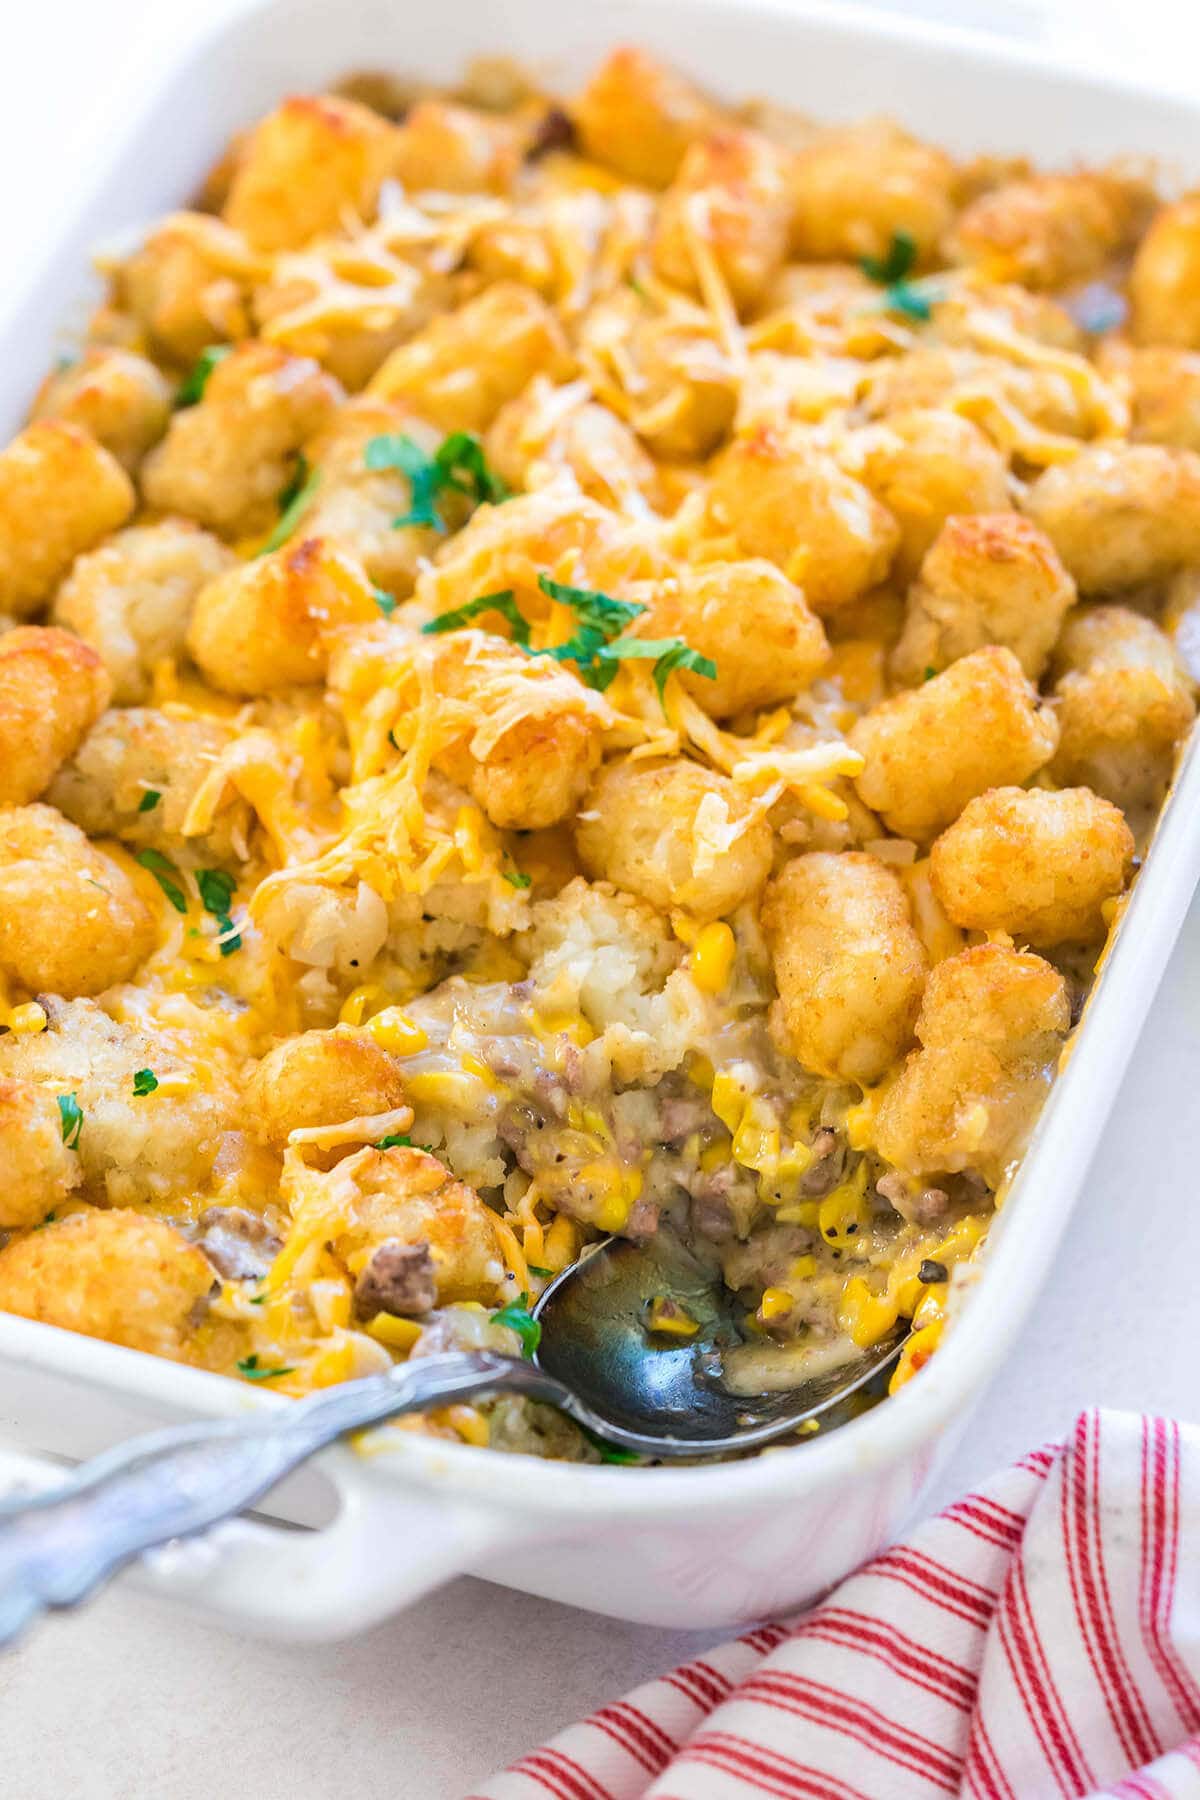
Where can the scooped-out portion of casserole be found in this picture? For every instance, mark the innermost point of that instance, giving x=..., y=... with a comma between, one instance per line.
x=576, y=665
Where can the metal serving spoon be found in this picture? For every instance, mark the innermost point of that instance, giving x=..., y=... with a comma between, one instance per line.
x=596, y=1362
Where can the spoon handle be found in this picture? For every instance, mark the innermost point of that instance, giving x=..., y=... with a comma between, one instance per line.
x=58, y=1546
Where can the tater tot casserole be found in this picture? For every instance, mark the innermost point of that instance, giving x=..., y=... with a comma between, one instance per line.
x=575, y=665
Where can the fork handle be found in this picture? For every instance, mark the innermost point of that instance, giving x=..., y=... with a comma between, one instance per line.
x=59, y=1546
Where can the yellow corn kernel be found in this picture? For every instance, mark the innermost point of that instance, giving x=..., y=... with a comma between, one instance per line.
x=799, y=1212
x=860, y=1123
x=468, y=839
x=701, y=1072
x=395, y=1032
x=728, y=1100
x=593, y=1121
x=572, y=1026
x=794, y=1162
x=776, y=1303
x=333, y=1364
x=803, y=1268
x=474, y=1065
x=716, y=1155
x=668, y=1317
x=931, y=1309
x=370, y=996
x=441, y=1087
x=470, y=1425
x=397, y=1334
x=845, y=1211
x=24, y=1020
x=712, y=957
x=563, y=1241
x=915, y=1354
x=756, y=1144
x=864, y=1316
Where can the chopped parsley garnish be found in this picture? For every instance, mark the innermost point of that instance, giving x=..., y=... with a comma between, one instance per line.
x=901, y=260
x=503, y=603
x=609, y=1453
x=458, y=466
x=166, y=875
x=149, y=800
x=518, y=878
x=216, y=895
x=385, y=603
x=294, y=502
x=195, y=381
x=892, y=273
x=144, y=1082
x=668, y=653
x=48, y=1220
x=71, y=1116
x=930, y=672
x=250, y=1367
x=517, y=1316
x=601, y=620
x=544, y=1274
x=395, y=1140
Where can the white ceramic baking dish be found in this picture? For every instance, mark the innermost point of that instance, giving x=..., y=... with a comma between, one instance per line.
x=692, y=1547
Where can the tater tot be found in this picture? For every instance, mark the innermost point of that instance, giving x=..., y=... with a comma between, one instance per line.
x=990, y=1029
x=1164, y=282
x=71, y=921
x=1122, y=515
x=265, y=625
x=848, y=964
x=1164, y=391
x=188, y=285
x=313, y=165
x=548, y=428
x=784, y=499
x=37, y=1170
x=226, y=460
x=405, y=1196
x=52, y=689
x=676, y=834
x=535, y=732
x=638, y=117
x=455, y=150
x=122, y=399
x=750, y=621
x=731, y=197
x=320, y=1078
x=924, y=466
x=855, y=187
x=458, y=372
x=989, y=578
x=1051, y=230
x=1034, y=863
x=1124, y=704
x=132, y=1147
x=358, y=506
x=131, y=598
x=932, y=748
x=60, y=493
x=136, y=774
x=116, y=1275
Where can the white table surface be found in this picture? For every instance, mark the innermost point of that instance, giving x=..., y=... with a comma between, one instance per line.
x=131, y=1699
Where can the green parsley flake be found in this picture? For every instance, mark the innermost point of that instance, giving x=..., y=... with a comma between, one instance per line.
x=385, y=603
x=601, y=619
x=166, y=875
x=518, y=878
x=395, y=1140
x=543, y=1274
x=71, y=1116
x=458, y=466
x=250, y=1367
x=901, y=260
x=503, y=603
x=517, y=1316
x=609, y=1453
x=216, y=896
x=195, y=381
x=149, y=800
x=294, y=502
x=930, y=672
x=668, y=654
x=144, y=1082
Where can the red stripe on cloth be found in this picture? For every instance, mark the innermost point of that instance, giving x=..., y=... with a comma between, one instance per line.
x=983, y=1771
x=704, y=1685
x=532, y=1768
x=1160, y=1559
x=957, y=1594
x=765, y=1638
x=1004, y=1533
x=768, y=1771
x=1068, y=1756
x=1135, y=1728
x=916, y=1663
x=1040, y=1462
x=853, y=1718
x=652, y=1748
x=552, y=1764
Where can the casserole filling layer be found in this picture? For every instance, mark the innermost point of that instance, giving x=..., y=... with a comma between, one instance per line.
x=576, y=666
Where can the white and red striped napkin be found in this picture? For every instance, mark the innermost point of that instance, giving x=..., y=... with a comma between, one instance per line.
x=1039, y=1638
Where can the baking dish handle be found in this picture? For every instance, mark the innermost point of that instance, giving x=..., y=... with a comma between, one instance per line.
x=386, y=1547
